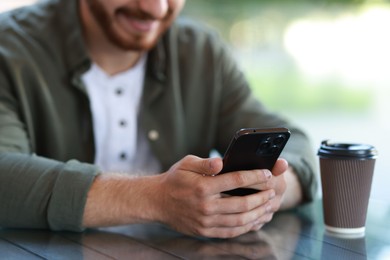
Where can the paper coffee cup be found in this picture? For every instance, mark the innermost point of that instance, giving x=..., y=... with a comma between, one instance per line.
x=346, y=176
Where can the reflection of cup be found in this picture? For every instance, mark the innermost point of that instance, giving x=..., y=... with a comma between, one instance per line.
x=343, y=246
x=346, y=177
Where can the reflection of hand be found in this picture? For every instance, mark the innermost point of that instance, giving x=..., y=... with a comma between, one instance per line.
x=192, y=203
x=277, y=240
x=253, y=245
x=283, y=232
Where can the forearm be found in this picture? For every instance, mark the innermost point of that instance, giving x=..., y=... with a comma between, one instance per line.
x=118, y=199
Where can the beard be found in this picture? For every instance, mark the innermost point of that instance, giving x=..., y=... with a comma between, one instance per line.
x=127, y=41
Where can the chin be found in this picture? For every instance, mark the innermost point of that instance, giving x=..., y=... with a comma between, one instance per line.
x=136, y=42
x=139, y=47
x=135, y=45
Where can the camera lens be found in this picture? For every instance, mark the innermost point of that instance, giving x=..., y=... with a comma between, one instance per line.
x=264, y=145
x=274, y=149
x=279, y=139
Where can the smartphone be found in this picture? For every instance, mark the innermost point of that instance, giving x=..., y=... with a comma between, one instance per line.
x=253, y=148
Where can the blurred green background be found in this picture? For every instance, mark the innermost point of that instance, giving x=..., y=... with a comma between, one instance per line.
x=257, y=32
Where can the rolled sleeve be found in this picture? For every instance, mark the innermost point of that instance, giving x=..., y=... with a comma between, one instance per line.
x=37, y=192
x=66, y=206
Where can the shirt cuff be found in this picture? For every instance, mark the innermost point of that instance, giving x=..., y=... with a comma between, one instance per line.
x=67, y=203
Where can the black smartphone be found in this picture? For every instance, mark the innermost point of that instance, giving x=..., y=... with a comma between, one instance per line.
x=253, y=148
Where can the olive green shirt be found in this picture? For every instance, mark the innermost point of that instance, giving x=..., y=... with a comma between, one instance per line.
x=194, y=97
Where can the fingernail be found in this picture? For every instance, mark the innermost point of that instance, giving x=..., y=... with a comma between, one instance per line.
x=211, y=165
x=267, y=174
x=272, y=195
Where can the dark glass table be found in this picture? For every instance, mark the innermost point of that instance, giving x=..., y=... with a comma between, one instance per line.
x=294, y=234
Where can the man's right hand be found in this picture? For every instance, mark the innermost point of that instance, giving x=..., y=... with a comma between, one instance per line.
x=189, y=199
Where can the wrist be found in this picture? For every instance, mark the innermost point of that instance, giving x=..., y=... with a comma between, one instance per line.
x=150, y=205
x=293, y=195
x=119, y=199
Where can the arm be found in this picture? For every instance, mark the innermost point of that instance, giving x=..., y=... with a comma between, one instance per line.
x=182, y=198
x=118, y=199
x=37, y=192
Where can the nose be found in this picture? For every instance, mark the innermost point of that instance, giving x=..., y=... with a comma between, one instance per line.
x=155, y=8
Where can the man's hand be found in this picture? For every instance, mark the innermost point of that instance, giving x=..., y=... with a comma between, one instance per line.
x=192, y=203
x=188, y=198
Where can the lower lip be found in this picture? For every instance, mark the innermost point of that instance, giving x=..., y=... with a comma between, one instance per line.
x=137, y=25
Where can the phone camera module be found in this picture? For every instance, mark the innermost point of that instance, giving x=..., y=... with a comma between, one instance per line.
x=270, y=145
x=265, y=145
x=279, y=140
x=274, y=149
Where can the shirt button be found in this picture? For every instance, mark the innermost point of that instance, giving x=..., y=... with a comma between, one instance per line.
x=123, y=156
x=122, y=123
x=119, y=91
x=153, y=135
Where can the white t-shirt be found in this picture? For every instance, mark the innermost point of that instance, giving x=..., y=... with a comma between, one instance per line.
x=121, y=146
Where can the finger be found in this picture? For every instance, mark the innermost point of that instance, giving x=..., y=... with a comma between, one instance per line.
x=210, y=166
x=270, y=184
x=229, y=232
x=238, y=204
x=255, y=216
x=233, y=180
x=263, y=219
x=280, y=167
x=259, y=223
x=257, y=227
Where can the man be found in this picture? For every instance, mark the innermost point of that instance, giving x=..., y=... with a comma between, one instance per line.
x=98, y=96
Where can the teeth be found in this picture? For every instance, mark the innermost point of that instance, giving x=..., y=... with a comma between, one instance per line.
x=136, y=23
x=143, y=24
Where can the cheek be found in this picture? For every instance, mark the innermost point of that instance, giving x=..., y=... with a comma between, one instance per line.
x=176, y=6
x=100, y=10
x=109, y=7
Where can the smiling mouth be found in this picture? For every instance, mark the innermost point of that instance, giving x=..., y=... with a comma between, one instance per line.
x=134, y=23
x=142, y=25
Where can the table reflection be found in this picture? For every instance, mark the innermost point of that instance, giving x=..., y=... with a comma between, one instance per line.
x=295, y=234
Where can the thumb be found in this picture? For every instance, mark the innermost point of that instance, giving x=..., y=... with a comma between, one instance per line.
x=210, y=166
x=280, y=167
